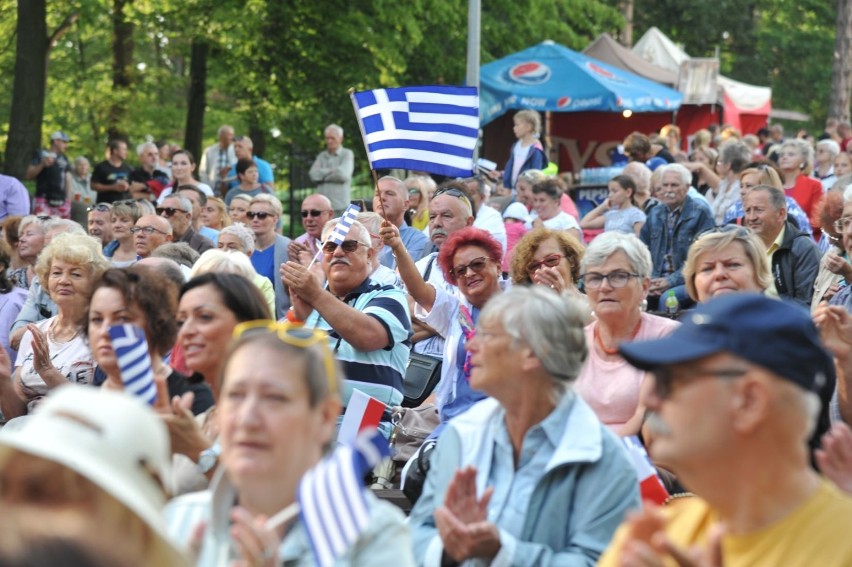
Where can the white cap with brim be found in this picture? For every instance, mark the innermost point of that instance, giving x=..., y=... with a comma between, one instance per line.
x=516, y=211
x=111, y=438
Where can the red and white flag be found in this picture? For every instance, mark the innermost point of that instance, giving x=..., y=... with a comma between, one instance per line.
x=362, y=412
x=650, y=485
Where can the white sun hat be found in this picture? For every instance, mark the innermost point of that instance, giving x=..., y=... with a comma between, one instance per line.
x=111, y=438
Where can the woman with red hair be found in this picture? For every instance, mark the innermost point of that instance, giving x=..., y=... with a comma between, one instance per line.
x=471, y=260
x=828, y=281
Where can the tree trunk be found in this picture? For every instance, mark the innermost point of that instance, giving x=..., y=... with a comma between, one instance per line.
x=197, y=97
x=122, y=61
x=841, y=72
x=627, y=32
x=28, y=91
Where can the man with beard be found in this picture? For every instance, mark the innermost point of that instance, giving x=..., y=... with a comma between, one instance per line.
x=733, y=402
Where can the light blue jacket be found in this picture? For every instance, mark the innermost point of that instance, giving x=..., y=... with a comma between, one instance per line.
x=581, y=499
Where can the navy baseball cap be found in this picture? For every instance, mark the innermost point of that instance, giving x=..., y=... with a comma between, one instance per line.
x=771, y=333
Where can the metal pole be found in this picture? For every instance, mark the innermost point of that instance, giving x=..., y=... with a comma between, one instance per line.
x=472, y=77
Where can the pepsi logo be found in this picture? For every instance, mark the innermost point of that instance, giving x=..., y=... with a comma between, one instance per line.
x=599, y=70
x=530, y=73
x=563, y=102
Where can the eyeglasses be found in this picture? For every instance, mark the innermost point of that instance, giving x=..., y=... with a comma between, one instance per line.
x=294, y=335
x=148, y=230
x=100, y=207
x=170, y=211
x=550, y=261
x=476, y=266
x=348, y=246
x=664, y=378
x=312, y=212
x=842, y=223
x=594, y=280
x=259, y=215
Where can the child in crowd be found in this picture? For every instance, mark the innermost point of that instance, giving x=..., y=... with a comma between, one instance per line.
x=515, y=218
x=527, y=152
x=618, y=211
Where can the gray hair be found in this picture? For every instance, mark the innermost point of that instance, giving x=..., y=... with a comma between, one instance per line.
x=223, y=261
x=64, y=225
x=776, y=196
x=610, y=242
x=736, y=154
x=806, y=151
x=685, y=176
x=146, y=207
x=224, y=128
x=270, y=200
x=80, y=160
x=140, y=149
x=185, y=203
x=832, y=146
x=180, y=252
x=372, y=221
x=28, y=220
x=641, y=175
x=551, y=325
x=243, y=234
x=334, y=128
x=362, y=230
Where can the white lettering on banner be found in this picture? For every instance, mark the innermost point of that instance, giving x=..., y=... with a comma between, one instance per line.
x=530, y=101
x=586, y=102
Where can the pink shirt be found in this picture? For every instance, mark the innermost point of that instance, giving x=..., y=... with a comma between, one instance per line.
x=611, y=387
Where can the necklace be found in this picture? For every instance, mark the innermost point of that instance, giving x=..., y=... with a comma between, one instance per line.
x=52, y=335
x=614, y=351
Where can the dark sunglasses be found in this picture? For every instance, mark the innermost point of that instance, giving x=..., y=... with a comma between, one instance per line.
x=550, y=261
x=312, y=212
x=348, y=246
x=170, y=211
x=259, y=215
x=476, y=266
x=100, y=207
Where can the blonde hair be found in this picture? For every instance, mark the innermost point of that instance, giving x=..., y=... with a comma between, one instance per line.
x=532, y=118
x=753, y=247
x=80, y=249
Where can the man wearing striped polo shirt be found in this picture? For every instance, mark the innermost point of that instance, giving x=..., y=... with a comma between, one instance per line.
x=369, y=324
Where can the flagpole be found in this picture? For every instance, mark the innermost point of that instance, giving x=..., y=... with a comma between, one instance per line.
x=367, y=150
x=283, y=516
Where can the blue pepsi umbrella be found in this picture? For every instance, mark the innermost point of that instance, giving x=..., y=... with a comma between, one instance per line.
x=549, y=76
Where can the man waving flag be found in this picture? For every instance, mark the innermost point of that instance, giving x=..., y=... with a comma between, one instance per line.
x=432, y=129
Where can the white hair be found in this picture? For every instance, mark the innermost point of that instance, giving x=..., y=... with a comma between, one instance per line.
x=334, y=128
x=685, y=176
x=223, y=261
x=832, y=146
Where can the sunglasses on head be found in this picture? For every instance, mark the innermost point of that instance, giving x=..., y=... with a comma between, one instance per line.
x=312, y=212
x=475, y=266
x=294, y=335
x=258, y=215
x=348, y=246
x=100, y=207
x=170, y=211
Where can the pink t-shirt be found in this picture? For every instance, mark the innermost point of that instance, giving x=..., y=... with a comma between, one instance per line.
x=611, y=387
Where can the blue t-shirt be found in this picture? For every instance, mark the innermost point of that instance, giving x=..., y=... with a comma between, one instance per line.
x=264, y=262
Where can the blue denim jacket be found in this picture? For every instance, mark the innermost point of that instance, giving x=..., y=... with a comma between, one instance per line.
x=695, y=218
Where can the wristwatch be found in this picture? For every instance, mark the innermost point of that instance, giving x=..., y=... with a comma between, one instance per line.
x=208, y=458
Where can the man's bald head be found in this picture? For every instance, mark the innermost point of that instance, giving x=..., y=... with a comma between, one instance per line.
x=316, y=211
x=151, y=231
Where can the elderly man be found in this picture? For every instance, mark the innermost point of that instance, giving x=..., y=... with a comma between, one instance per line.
x=669, y=231
x=100, y=222
x=487, y=218
x=792, y=253
x=382, y=274
x=147, y=181
x=199, y=200
x=391, y=201
x=732, y=405
x=641, y=176
x=151, y=231
x=178, y=210
x=368, y=323
x=244, y=149
x=332, y=170
x=218, y=159
x=270, y=246
x=111, y=177
x=316, y=211
x=52, y=172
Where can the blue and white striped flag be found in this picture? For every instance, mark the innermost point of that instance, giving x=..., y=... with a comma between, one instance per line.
x=134, y=361
x=331, y=496
x=341, y=229
x=432, y=129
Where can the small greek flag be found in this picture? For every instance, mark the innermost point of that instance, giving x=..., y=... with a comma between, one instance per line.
x=331, y=496
x=134, y=361
x=341, y=229
x=432, y=129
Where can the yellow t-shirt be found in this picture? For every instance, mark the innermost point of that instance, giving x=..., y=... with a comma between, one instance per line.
x=814, y=535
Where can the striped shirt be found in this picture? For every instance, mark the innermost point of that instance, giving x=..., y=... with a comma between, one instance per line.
x=377, y=373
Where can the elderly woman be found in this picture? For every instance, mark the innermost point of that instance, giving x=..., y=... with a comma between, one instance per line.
x=616, y=275
x=238, y=208
x=826, y=151
x=93, y=461
x=502, y=474
x=215, y=214
x=124, y=217
x=30, y=245
x=54, y=352
x=141, y=296
x=730, y=259
x=733, y=158
x=524, y=185
x=795, y=162
x=547, y=199
x=470, y=259
x=831, y=277
x=702, y=164
x=277, y=415
x=234, y=262
x=550, y=258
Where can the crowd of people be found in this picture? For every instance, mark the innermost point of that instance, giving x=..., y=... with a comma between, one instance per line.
x=702, y=307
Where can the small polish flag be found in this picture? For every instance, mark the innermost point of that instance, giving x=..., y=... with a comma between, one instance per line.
x=362, y=412
x=650, y=485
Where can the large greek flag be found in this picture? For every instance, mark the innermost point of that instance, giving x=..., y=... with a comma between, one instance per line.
x=432, y=129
